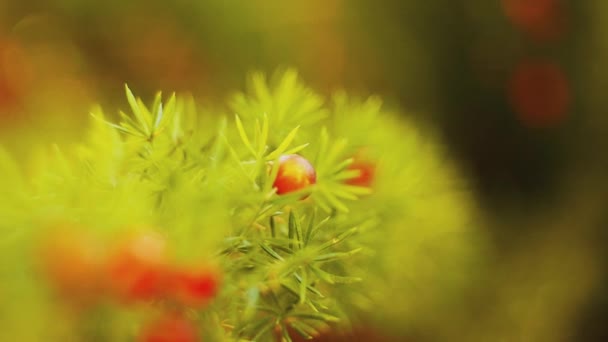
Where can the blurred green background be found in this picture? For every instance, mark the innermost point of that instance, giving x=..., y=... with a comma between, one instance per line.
x=514, y=87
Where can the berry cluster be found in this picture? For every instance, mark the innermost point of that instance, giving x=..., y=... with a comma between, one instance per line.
x=135, y=270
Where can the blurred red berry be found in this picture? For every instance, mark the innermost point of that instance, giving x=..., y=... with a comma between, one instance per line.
x=72, y=262
x=14, y=73
x=194, y=288
x=366, y=170
x=137, y=270
x=540, y=19
x=295, y=173
x=539, y=93
x=169, y=328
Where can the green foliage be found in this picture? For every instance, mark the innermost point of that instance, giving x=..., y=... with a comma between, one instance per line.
x=205, y=182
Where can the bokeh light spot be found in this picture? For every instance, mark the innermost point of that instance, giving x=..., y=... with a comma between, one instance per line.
x=540, y=19
x=539, y=93
x=14, y=73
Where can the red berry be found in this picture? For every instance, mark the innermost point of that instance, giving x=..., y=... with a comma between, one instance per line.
x=366, y=167
x=137, y=270
x=15, y=70
x=72, y=261
x=195, y=288
x=169, y=328
x=366, y=170
x=540, y=93
x=295, y=173
x=541, y=19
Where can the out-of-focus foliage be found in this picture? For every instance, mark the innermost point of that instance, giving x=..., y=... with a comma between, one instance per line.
x=204, y=181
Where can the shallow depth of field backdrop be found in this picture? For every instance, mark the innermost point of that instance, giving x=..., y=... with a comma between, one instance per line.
x=514, y=90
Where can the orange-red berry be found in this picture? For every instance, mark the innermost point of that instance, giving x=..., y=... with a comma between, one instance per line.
x=72, y=262
x=366, y=169
x=195, y=288
x=137, y=270
x=295, y=173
